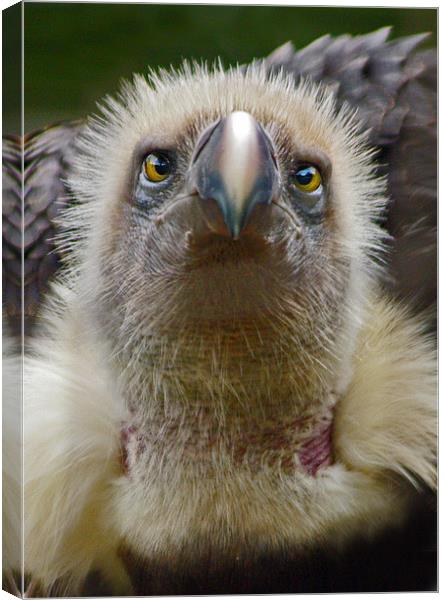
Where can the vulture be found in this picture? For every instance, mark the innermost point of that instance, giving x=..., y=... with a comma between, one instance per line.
x=228, y=320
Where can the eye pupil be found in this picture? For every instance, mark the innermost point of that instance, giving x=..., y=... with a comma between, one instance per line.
x=161, y=164
x=308, y=179
x=305, y=176
x=157, y=167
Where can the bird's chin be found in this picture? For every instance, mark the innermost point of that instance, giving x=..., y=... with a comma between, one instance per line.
x=221, y=281
x=204, y=248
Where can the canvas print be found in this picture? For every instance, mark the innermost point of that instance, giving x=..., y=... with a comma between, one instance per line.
x=219, y=300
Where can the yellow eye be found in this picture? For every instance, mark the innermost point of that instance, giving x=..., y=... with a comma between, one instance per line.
x=157, y=167
x=308, y=179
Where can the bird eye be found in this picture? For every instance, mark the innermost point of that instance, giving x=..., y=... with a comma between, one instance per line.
x=307, y=179
x=156, y=167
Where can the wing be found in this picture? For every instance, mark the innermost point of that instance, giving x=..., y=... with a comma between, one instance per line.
x=394, y=89
x=47, y=158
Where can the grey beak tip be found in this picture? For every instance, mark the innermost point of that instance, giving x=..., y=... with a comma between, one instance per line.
x=235, y=232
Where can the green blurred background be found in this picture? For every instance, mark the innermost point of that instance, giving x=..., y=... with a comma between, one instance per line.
x=76, y=53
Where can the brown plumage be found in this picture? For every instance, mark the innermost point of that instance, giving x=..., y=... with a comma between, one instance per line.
x=47, y=158
x=223, y=378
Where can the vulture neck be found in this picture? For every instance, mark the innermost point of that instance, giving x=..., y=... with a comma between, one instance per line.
x=250, y=393
x=229, y=367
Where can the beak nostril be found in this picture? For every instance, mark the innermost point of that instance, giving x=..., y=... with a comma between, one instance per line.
x=270, y=146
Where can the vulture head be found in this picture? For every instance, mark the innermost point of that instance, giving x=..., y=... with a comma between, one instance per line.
x=229, y=221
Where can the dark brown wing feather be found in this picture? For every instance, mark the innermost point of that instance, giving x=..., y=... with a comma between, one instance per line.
x=47, y=157
x=12, y=230
x=394, y=89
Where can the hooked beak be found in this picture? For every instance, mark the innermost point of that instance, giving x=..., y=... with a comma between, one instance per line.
x=234, y=168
